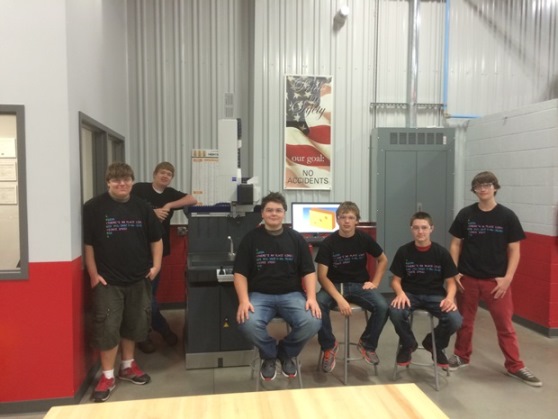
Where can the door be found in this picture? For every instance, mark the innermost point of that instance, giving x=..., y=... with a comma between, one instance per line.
x=415, y=173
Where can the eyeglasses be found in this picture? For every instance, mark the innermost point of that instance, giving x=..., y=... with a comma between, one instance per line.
x=482, y=186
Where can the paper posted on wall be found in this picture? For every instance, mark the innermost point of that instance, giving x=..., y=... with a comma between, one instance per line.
x=205, y=170
x=210, y=185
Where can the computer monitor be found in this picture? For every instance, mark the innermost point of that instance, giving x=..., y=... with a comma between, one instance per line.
x=314, y=217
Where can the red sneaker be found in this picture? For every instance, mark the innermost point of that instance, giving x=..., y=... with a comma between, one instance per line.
x=104, y=388
x=369, y=356
x=328, y=360
x=134, y=374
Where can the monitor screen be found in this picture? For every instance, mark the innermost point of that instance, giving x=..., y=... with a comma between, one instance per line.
x=314, y=217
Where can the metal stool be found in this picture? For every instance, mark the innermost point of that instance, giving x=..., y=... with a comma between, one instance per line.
x=433, y=364
x=257, y=361
x=347, y=342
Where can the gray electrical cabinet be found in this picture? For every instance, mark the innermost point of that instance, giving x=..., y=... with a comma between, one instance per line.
x=414, y=170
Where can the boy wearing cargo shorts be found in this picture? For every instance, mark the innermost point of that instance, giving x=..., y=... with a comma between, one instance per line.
x=123, y=252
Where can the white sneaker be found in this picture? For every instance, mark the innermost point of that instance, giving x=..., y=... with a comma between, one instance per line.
x=455, y=362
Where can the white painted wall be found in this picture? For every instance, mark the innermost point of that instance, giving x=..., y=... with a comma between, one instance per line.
x=59, y=57
x=97, y=83
x=33, y=73
x=521, y=148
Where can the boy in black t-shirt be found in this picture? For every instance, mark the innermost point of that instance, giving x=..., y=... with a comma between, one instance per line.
x=342, y=273
x=164, y=200
x=274, y=276
x=486, y=247
x=420, y=270
x=123, y=252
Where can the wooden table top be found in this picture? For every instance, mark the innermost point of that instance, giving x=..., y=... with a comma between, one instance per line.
x=378, y=401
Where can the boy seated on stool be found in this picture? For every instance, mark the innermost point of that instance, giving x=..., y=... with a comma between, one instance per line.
x=269, y=265
x=420, y=269
x=344, y=278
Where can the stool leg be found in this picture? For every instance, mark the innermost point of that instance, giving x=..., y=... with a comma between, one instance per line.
x=299, y=373
x=434, y=352
x=347, y=348
x=394, y=374
x=258, y=378
x=320, y=358
x=366, y=318
x=254, y=362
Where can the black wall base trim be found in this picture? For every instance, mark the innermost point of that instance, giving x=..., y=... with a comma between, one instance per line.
x=28, y=406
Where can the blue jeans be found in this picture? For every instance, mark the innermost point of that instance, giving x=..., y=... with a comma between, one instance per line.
x=370, y=299
x=292, y=308
x=448, y=322
x=158, y=322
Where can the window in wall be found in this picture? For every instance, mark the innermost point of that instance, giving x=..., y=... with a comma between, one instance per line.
x=14, y=258
x=100, y=146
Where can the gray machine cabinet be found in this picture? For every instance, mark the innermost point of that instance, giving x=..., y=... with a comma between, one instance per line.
x=212, y=338
x=415, y=170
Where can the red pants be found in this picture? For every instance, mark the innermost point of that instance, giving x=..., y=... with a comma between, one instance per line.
x=501, y=311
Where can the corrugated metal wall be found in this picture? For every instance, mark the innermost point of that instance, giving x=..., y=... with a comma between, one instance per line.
x=190, y=64
x=186, y=55
x=503, y=54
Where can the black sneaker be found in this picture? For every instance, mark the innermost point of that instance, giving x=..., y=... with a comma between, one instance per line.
x=103, y=388
x=288, y=366
x=404, y=355
x=147, y=346
x=170, y=337
x=441, y=358
x=527, y=377
x=268, y=369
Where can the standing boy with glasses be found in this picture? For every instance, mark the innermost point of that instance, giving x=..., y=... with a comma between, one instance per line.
x=423, y=278
x=342, y=260
x=274, y=276
x=123, y=252
x=485, y=246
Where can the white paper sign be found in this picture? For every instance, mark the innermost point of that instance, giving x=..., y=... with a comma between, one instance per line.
x=7, y=148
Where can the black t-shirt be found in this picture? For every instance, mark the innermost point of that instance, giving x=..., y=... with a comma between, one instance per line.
x=121, y=234
x=423, y=272
x=486, y=235
x=158, y=200
x=346, y=257
x=273, y=264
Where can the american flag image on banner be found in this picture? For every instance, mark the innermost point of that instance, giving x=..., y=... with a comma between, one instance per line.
x=308, y=132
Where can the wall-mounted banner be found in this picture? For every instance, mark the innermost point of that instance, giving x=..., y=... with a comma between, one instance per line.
x=309, y=101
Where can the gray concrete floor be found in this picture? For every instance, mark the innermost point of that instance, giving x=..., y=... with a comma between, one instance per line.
x=481, y=390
